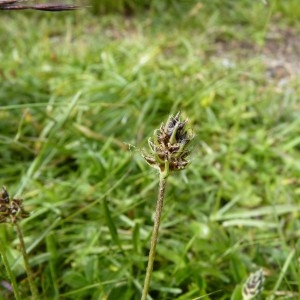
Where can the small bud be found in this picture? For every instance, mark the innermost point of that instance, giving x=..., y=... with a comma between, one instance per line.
x=4, y=195
x=253, y=285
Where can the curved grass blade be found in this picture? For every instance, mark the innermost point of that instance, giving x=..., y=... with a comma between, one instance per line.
x=52, y=7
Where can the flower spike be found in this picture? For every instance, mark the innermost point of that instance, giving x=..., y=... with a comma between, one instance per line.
x=11, y=209
x=169, y=146
x=253, y=285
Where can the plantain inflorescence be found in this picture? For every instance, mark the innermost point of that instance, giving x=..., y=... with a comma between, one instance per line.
x=169, y=146
x=253, y=285
x=11, y=209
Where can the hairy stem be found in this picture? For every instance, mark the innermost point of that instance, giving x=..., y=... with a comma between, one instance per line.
x=9, y=272
x=32, y=286
x=158, y=210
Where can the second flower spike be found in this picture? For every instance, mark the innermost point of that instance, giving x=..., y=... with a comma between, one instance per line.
x=11, y=209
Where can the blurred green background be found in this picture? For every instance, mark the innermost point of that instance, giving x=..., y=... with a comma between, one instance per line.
x=81, y=92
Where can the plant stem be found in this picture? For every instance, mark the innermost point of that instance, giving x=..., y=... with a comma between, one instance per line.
x=158, y=210
x=32, y=286
x=9, y=272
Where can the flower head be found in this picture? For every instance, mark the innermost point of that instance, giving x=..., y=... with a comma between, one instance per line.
x=253, y=285
x=11, y=210
x=169, y=146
